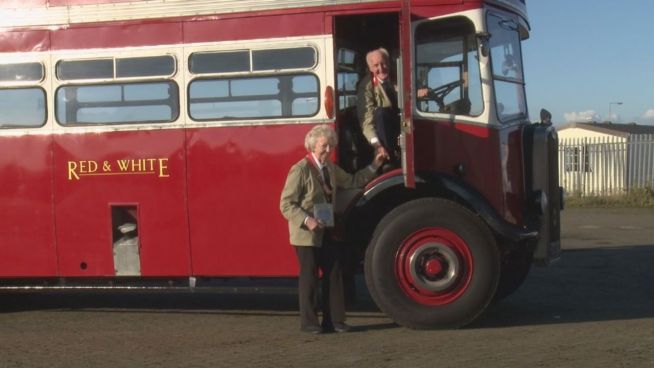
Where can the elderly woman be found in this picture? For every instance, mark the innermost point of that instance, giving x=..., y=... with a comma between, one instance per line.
x=305, y=202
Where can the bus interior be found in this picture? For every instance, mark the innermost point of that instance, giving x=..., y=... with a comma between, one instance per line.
x=355, y=35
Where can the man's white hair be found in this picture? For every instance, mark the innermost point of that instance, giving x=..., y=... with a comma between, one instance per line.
x=381, y=50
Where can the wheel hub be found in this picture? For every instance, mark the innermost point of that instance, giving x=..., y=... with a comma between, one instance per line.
x=434, y=267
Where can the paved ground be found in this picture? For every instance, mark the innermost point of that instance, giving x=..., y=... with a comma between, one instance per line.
x=590, y=228
x=594, y=308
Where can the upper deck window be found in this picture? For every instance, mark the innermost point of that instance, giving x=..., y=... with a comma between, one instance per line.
x=252, y=60
x=154, y=66
x=85, y=69
x=292, y=58
x=110, y=68
x=22, y=72
x=220, y=62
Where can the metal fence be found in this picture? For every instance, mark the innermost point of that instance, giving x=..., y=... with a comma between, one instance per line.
x=606, y=165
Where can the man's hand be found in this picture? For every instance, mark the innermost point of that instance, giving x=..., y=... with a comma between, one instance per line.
x=422, y=92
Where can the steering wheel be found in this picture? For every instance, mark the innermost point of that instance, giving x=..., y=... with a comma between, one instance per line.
x=438, y=94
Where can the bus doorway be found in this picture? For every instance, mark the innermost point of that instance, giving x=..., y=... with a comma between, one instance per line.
x=355, y=36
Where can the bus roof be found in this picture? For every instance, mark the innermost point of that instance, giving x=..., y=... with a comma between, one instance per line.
x=49, y=13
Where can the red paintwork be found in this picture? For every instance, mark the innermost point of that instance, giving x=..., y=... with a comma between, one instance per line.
x=16, y=41
x=134, y=34
x=40, y=3
x=461, y=144
x=150, y=33
x=23, y=3
x=26, y=221
x=83, y=212
x=273, y=25
x=176, y=32
x=225, y=27
x=410, y=247
x=433, y=267
x=407, y=87
x=83, y=2
x=235, y=178
x=217, y=214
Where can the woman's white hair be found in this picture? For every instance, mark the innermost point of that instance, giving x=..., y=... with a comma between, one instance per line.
x=322, y=130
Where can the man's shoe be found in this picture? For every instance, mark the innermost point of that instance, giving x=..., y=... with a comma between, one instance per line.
x=342, y=327
x=313, y=329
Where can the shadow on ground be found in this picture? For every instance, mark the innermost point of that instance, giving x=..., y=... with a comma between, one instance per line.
x=584, y=286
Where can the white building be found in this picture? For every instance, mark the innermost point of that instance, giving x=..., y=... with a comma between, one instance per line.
x=605, y=158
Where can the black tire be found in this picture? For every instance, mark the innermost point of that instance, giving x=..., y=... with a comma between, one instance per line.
x=514, y=270
x=432, y=264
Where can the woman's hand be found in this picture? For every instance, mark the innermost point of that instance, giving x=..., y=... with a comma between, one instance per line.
x=313, y=224
x=380, y=157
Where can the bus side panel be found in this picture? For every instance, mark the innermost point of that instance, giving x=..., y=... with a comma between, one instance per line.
x=236, y=175
x=82, y=2
x=244, y=28
x=490, y=160
x=27, y=244
x=137, y=34
x=17, y=41
x=139, y=170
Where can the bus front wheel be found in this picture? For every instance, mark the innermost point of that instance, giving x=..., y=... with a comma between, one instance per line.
x=432, y=264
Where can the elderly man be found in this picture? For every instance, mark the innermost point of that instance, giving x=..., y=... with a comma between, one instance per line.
x=305, y=202
x=377, y=105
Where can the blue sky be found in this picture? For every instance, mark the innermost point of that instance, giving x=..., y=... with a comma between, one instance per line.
x=583, y=55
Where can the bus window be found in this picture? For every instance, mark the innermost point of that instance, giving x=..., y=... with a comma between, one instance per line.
x=85, y=69
x=22, y=72
x=305, y=101
x=448, y=64
x=150, y=66
x=219, y=62
x=262, y=60
x=120, y=103
x=506, y=61
x=22, y=107
x=280, y=96
x=279, y=59
x=347, y=78
x=111, y=68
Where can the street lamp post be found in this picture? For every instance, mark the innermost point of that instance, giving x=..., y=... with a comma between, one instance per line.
x=612, y=103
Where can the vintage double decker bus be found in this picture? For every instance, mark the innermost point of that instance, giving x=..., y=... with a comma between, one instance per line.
x=147, y=143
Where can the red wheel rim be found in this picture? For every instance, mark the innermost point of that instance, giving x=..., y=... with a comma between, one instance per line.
x=434, y=266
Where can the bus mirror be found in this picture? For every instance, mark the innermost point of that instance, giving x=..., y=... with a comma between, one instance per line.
x=482, y=42
x=545, y=117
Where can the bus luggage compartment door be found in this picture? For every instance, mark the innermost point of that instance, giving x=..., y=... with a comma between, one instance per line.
x=98, y=173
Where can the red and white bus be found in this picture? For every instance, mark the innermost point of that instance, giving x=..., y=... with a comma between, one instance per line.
x=147, y=141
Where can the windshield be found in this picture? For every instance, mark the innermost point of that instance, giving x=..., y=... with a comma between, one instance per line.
x=506, y=59
x=447, y=65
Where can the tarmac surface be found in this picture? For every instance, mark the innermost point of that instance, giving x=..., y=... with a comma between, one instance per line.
x=593, y=308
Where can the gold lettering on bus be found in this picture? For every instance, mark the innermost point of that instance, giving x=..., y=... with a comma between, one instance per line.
x=132, y=166
x=163, y=168
x=81, y=168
